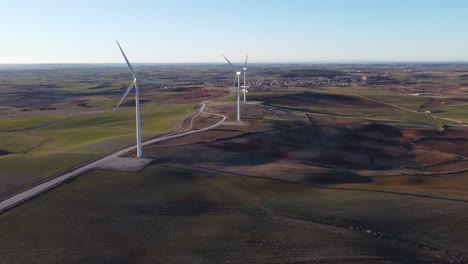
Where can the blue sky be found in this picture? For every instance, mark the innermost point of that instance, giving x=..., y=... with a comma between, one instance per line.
x=198, y=31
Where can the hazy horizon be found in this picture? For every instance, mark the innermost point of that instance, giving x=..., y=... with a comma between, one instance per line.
x=239, y=62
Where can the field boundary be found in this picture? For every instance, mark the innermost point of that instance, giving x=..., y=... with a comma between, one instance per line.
x=456, y=257
x=42, y=187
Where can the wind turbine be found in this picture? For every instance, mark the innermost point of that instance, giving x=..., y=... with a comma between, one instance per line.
x=245, y=70
x=237, y=78
x=137, y=100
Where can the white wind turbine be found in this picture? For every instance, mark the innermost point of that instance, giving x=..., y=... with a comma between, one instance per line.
x=137, y=100
x=245, y=71
x=237, y=78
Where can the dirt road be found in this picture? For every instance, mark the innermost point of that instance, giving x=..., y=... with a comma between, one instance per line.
x=38, y=189
x=413, y=111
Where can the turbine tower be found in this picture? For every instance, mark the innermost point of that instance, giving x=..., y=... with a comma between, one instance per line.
x=245, y=71
x=237, y=78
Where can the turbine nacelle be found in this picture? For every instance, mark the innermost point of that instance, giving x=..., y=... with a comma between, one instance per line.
x=238, y=73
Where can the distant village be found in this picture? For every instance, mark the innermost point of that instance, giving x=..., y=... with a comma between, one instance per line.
x=299, y=82
x=303, y=82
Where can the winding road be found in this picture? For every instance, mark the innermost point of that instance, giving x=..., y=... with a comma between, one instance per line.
x=45, y=186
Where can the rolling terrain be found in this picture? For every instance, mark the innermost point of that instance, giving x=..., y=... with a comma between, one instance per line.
x=325, y=175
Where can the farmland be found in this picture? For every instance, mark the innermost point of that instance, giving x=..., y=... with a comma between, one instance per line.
x=312, y=174
x=77, y=125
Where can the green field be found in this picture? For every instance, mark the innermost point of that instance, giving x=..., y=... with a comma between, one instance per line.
x=373, y=114
x=6, y=110
x=458, y=112
x=75, y=141
x=450, y=107
x=8, y=123
x=400, y=99
x=385, y=113
x=254, y=96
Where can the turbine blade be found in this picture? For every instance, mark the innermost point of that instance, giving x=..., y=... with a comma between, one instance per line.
x=246, y=57
x=129, y=88
x=128, y=63
x=232, y=66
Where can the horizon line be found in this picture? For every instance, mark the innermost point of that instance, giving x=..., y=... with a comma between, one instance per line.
x=260, y=62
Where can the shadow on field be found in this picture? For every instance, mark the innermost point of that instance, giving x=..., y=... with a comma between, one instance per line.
x=322, y=99
x=4, y=152
x=230, y=173
x=372, y=146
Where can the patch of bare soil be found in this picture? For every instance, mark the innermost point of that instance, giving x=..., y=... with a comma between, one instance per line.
x=12, y=183
x=33, y=99
x=195, y=202
x=409, y=134
x=322, y=140
x=132, y=102
x=422, y=157
x=252, y=112
x=325, y=100
x=368, y=146
x=330, y=120
x=258, y=113
x=450, y=145
x=347, y=146
x=460, y=99
x=448, y=167
x=174, y=216
x=350, y=144
x=204, y=120
x=187, y=94
x=455, y=132
x=207, y=136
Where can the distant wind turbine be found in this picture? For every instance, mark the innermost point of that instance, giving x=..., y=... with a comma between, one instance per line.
x=137, y=100
x=245, y=71
x=237, y=78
